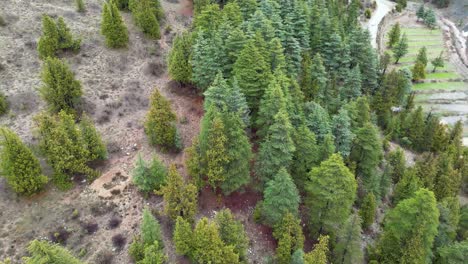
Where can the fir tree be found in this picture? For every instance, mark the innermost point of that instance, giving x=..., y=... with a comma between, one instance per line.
x=394, y=35
x=306, y=155
x=448, y=179
x=341, y=128
x=19, y=166
x=400, y=49
x=113, y=27
x=367, y=211
x=277, y=58
x=92, y=139
x=419, y=71
x=60, y=90
x=319, y=255
x=331, y=191
x=352, y=85
x=449, y=209
x=46, y=252
x=160, y=122
x=363, y=55
x=232, y=233
x=438, y=62
x=80, y=6
x=209, y=19
x=317, y=120
x=319, y=80
x=49, y=42
x=149, y=178
x=280, y=197
x=272, y=102
x=348, y=246
x=422, y=56
x=179, y=58
x=150, y=228
x=206, y=58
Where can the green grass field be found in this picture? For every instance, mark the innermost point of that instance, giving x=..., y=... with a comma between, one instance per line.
x=450, y=86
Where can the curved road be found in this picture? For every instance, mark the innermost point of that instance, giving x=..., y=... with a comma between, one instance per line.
x=383, y=7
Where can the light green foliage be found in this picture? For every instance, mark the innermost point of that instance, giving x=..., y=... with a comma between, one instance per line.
x=160, y=122
x=208, y=19
x=113, y=27
x=280, y=197
x=317, y=120
x=150, y=228
x=216, y=159
x=407, y=186
x=319, y=255
x=272, y=101
x=60, y=89
x=412, y=222
x=80, y=6
x=448, y=179
x=400, y=49
x=438, y=62
x=456, y=253
x=18, y=164
x=331, y=191
x=55, y=37
x=183, y=236
x=144, y=14
x=327, y=148
x=149, y=178
x=92, y=140
x=181, y=199
x=348, y=246
x=65, y=38
x=419, y=71
x=422, y=56
x=46, y=252
x=3, y=104
x=232, y=233
x=368, y=210
x=179, y=58
x=153, y=254
x=305, y=157
x=290, y=238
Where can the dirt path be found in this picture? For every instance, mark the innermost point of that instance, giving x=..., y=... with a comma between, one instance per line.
x=383, y=8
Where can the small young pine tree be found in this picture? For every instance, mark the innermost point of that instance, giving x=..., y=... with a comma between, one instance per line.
x=3, y=104
x=400, y=49
x=419, y=71
x=422, y=56
x=49, y=42
x=421, y=13
x=113, y=27
x=60, y=90
x=46, y=252
x=18, y=164
x=394, y=35
x=149, y=179
x=160, y=122
x=438, y=62
x=367, y=212
x=146, y=19
x=66, y=41
x=80, y=6
x=179, y=58
x=92, y=139
x=430, y=19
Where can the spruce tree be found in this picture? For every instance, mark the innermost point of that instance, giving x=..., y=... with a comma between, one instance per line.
x=60, y=89
x=348, y=243
x=319, y=80
x=80, y=6
x=92, y=139
x=206, y=59
x=145, y=17
x=448, y=179
x=160, y=122
x=397, y=160
x=19, y=165
x=394, y=35
x=327, y=148
x=422, y=56
x=179, y=58
x=272, y=102
x=276, y=150
x=277, y=58
x=352, y=85
x=330, y=193
x=400, y=49
x=232, y=233
x=438, y=62
x=280, y=197
x=46, y=252
x=113, y=27
x=341, y=128
x=368, y=210
x=317, y=120
x=455, y=253
x=150, y=228
x=49, y=42
x=413, y=219
x=305, y=157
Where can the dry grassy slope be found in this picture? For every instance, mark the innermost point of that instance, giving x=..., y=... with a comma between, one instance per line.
x=116, y=86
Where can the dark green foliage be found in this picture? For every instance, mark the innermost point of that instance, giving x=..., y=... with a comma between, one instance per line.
x=317, y=120
x=352, y=85
x=421, y=13
x=448, y=179
x=122, y=4
x=397, y=160
x=280, y=197
x=232, y=233
x=327, y=148
x=179, y=58
x=145, y=17
x=55, y=37
x=305, y=157
x=394, y=35
x=160, y=122
x=456, y=253
x=413, y=222
x=113, y=27
x=407, y=186
x=449, y=218
x=341, y=128
x=463, y=223
x=348, y=246
x=18, y=165
x=149, y=178
x=318, y=80
x=206, y=59
x=430, y=19
x=400, y=48
x=60, y=89
x=438, y=62
x=3, y=104
x=331, y=191
x=422, y=56
x=368, y=210
x=272, y=102
x=46, y=252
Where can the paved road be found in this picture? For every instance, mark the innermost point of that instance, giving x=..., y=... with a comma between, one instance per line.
x=383, y=7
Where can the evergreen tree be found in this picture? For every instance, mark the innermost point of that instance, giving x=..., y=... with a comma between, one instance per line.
x=150, y=228
x=206, y=59
x=341, y=128
x=209, y=19
x=448, y=179
x=317, y=120
x=65, y=38
x=407, y=186
x=438, y=62
x=80, y=6
x=397, y=160
x=449, y=217
x=180, y=198
x=160, y=122
x=46, y=252
x=272, y=102
x=216, y=158
x=422, y=56
x=455, y=253
x=277, y=149
x=400, y=49
x=327, y=148
x=113, y=27
x=3, y=104
x=430, y=19
x=145, y=18
x=153, y=254
x=60, y=89
x=331, y=191
x=179, y=58
x=363, y=55
x=305, y=157
x=319, y=255
x=277, y=58
x=368, y=210
x=49, y=42
x=19, y=166
x=352, y=85
x=348, y=243
x=280, y=197
x=419, y=71
x=148, y=246
x=394, y=35
x=413, y=222
x=92, y=139
x=421, y=13
x=232, y=233
x=319, y=80
x=149, y=178
x=253, y=74
x=183, y=237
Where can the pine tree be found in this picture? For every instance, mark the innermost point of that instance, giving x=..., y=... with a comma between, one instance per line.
x=341, y=128
x=232, y=233
x=149, y=178
x=179, y=58
x=319, y=255
x=352, y=85
x=400, y=49
x=412, y=220
x=305, y=157
x=407, y=186
x=49, y=42
x=145, y=18
x=421, y=13
x=65, y=38
x=438, y=62
x=19, y=166
x=46, y=252
x=60, y=90
x=272, y=102
x=280, y=197
x=367, y=211
x=92, y=139
x=206, y=59
x=277, y=149
x=430, y=19
x=253, y=74
x=348, y=246
x=183, y=237
x=317, y=120
x=180, y=198
x=394, y=35
x=216, y=158
x=113, y=27
x=3, y=104
x=80, y=6
x=422, y=56
x=160, y=122
x=419, y=71
x=331, y=191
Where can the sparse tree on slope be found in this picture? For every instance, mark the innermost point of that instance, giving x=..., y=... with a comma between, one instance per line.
x=46, y=252
x=348, y=246
x=400, y=49
x=113, y=27
x=394, y=35
x=232, y=233
x=179, y=58
x=48, y=43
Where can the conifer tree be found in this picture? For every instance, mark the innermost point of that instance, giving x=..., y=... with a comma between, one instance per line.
x=348, y=246
x=327, y=148
x=19, y=166
x=153, y=254
x=232, y=233
x=272, y=102
x=60, y=89
x=363, y=55
x=113, y=27
x=438, y=62
x=449, y=209
x=65, y=38
x=290, y=238
x=92, y=139
x=277, y=149
x=341, y=128
x=319, y=80
x=253, y=74
x=183, y=237
x=430, y=19
x=367, y=211
x=394, y=35
x=280, y=197
x=397, y=160
x=407, y=186
x=206, y=59
x=352, y=85
x=419, y=71
x=46, y=252
x=3, y=104
x=421, y=13
x=49, y=42
x=331, y=191
x=400, y=49
x=150, y=228
x=422, y=56
x=415, y=129
x=145, y=17
x=412, y=220
x=180, y=198
x=179, y=58
x=277, y=58
x=448, y=179
x=317, y=120
x=216, y=158
x=149, y=178
x=455, y=253
x=209, y=19
x=80, y=6
x=319, y=255
x=306, y=155
x=160, y=122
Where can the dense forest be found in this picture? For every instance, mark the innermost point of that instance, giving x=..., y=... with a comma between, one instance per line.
x=298, y=107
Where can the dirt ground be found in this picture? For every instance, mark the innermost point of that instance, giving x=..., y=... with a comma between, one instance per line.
x=117, y=85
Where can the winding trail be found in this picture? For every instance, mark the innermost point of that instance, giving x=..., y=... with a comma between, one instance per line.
x=383, y=8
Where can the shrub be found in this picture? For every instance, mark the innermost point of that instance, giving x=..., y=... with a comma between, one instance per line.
x=80, y=6
x=3, y=104
x=90, y=227
x=145, y=18
x=149, y=179
x=113, y=27
x=368, y=13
